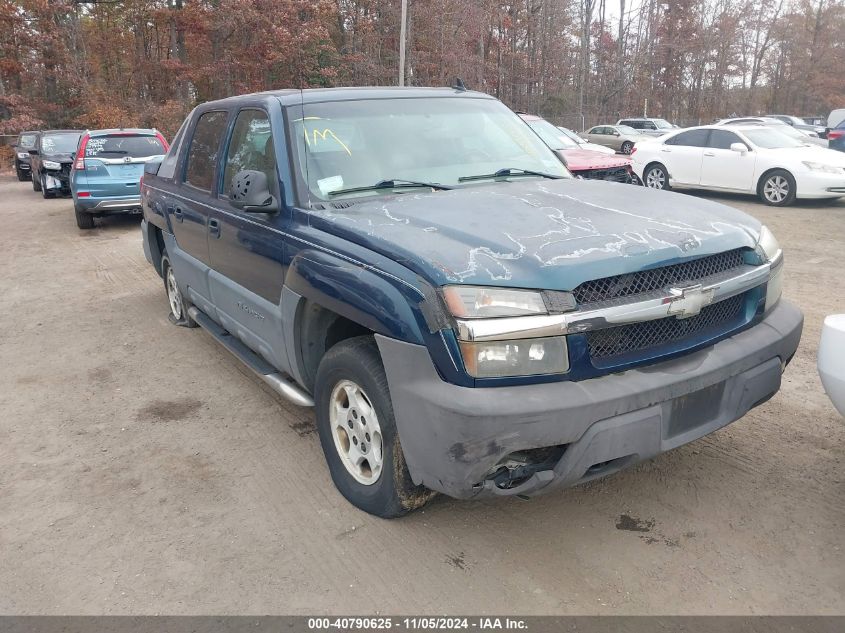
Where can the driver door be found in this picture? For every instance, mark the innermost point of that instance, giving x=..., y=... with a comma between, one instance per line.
x=247, y=248
x=724, y=168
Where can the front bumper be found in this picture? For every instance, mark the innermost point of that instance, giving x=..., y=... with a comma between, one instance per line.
x=454, y=437
x=820, y=185
x=56, y=179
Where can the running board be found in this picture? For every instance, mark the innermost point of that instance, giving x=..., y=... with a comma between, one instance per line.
x=280, y=383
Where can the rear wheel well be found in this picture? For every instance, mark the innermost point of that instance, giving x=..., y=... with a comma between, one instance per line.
x=156, y=242
x=318, y=330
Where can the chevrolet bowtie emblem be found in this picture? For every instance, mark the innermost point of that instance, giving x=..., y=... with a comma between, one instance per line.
x=687, y=302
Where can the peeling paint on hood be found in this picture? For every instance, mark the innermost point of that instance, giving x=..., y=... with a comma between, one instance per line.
x=551, y=234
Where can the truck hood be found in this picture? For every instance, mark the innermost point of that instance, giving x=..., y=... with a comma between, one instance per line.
x=584, y=159
x=57, y=158
x=551, y=234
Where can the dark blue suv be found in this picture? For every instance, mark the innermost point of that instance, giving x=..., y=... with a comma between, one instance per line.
x=464, y=316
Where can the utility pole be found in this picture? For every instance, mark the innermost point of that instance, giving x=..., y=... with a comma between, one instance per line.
x=403, y=25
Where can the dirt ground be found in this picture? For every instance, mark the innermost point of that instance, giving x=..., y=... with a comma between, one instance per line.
x=143, y=470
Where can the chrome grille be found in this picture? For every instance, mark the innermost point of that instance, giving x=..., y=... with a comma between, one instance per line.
x=648, y=280
x=713, y=320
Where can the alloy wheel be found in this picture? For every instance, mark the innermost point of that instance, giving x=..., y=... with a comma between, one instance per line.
x=356, y=432
x=776, y=189
x=655, y=179
x=174, y=297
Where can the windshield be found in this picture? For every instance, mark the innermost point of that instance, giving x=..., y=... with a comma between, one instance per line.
x=662, y=124
x=551, y=135
x=437, y=140
x=792, y=133
x=624, y=129
x=60, y=143
x=769, y=138
x=572, y=135
x=121, y=146
x=26, y=141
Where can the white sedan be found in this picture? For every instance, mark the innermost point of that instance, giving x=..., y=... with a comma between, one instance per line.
x=750, y=159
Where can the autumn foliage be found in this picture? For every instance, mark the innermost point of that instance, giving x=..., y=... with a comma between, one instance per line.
x=147, y=62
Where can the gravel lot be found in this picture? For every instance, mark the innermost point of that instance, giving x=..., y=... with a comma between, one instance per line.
x=144, y=470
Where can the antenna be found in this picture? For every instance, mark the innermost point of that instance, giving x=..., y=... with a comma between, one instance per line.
x=459, y=85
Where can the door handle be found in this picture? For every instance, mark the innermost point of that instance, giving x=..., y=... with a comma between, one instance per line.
x=668, y=151
x=177, y=213
x=709, y=154
x=214, y=227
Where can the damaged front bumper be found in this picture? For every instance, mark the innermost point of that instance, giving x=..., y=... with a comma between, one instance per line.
x=460, y=441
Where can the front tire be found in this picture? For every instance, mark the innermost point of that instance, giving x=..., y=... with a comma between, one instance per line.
x=358, y=433
x=23, y=176
x=627, y=147
x=36, y=181
x=656, y=177
x=178, y=306
x=777, y=188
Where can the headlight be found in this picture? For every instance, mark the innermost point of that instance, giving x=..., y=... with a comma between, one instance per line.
x=475, y=302
x=23, y=155
x=524, y=357
x=50, y=164
x=828, y=169
x=767, y=245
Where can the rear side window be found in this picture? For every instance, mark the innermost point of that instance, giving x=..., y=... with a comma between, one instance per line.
x=692, y=138
x=202, y=153
x=722, y=139
x=27, y=141
x=168, y=165
x=123, y=146
x=637, y=125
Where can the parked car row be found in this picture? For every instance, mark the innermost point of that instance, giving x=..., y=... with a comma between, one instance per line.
x=100, y=169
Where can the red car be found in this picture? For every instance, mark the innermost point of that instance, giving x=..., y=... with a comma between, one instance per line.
x=581, y=162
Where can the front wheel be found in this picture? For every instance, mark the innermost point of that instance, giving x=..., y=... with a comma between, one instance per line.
x=23, y=176
x=777, y=188
x=627, y=147
x=36, y=181
x=358, y=431
x=178, y=306
x=656, y=177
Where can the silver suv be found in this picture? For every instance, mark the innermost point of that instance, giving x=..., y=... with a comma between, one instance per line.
x=648, y=126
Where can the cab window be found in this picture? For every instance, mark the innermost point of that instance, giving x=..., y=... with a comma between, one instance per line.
x=202, y=153
x=251, y=147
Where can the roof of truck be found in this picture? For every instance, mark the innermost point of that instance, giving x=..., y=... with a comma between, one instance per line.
x=294, y=96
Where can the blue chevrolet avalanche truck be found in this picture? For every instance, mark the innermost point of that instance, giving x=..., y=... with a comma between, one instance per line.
x=464, y=316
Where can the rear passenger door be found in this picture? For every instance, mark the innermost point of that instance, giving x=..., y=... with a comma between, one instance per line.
x=247, y=248
x=724, y=168
x=188, y=212
x=682, y=154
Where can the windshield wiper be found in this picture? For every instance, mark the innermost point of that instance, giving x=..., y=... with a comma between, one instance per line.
x=395, y=183
x=508, y=172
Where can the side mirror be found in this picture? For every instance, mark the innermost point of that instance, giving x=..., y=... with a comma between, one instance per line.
x=739, y=147
x=616, y=134
x=152, y=167
x=250, y=192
